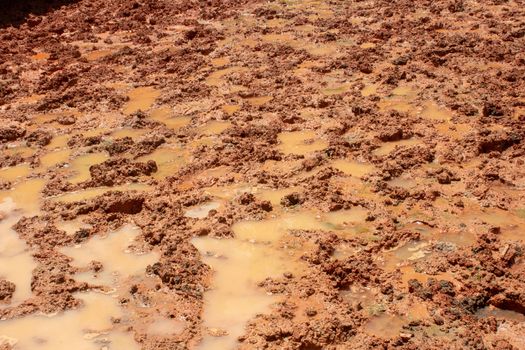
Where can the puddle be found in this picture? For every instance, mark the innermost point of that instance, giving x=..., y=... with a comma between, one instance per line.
x=508, y=315
x=511, y=224
x=80, y=166
x=16, y=262
x=26, y=195
x=90, y=193
x=165, y=115
x=229, y=192
x=214, y=127
x=141, y=98
x=353, y=168
x=271, y=230
x=23, y=199
x=335, y=90
x=220, y=62
x=55, y=157
x=300, y=142
x=15, y=172
x=388, y=147
x=258, y=101
x=362, y=295
x=385, y=326
x=119, y=262
x=201, y=211
x=169, y=161
x=22, y=151
x=217, y=78
x=455, y=131
x=230, y=109
x=88, y=327
x=234, y=297
x=274, y=196
x=401, y=100
x=59, y=141
x=258, y=251
x=369, y=90
x=433, y=111
x=128, y=132
x=73, y=226
x=165, y=326
x=410, y=252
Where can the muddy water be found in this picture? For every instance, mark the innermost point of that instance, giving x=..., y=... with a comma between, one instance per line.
x=128, y=132
x=353, y=168
x=272, y=230
x=432, y=110
x=21, y=200
x=259, y=101
x=202, y=210
x=166, y=115
x=89, y=327
x=80, y=166
x=169, y=160
x=118, y=261
x=15, y=172
x=214, y=127
x=240, y=263
x=55, y=157
x=300, y=142
x=234, y=297
x=16, y=262
x=385, y=326
x=509, y=315
x=141, y=98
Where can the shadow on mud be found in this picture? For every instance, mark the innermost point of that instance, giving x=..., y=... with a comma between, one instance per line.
x=16, y=12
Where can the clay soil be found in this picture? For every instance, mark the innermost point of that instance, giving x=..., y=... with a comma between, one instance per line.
x=443, y=82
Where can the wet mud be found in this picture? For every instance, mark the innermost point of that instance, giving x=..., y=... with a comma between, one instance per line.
x=245, y=174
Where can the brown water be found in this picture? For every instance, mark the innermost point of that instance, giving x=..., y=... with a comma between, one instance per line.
x=385, y=326
x=433, y=111
x=300, y=142
x=53, y=158
x=258, y=251
x=166, y=115
x=89, y=327
x=230, y=109
x=235, y=298
x=118, y=260
x=353, y=168
x=201, y=211
x=169, y=160
x=141, y=98
x=80, y=166
x=16, y=262
x=369, y=90
x=15, y=172
x=508, y=315
x=259, y=101
x=214, y=127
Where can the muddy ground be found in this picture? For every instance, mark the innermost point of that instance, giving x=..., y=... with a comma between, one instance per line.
x=373, y=151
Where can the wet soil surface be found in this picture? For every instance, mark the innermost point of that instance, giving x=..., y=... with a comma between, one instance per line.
x=294, y=174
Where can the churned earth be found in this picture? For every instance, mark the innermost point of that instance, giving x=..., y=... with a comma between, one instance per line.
x=247, y=174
